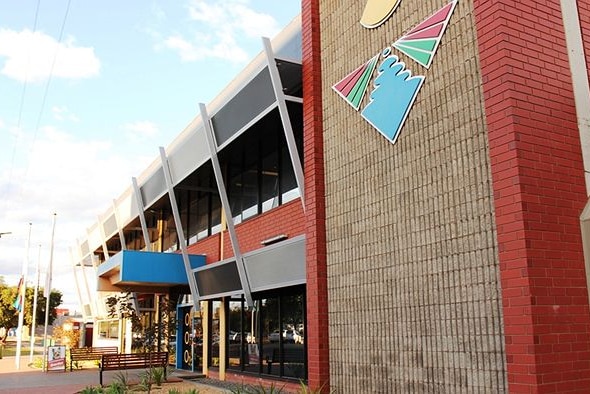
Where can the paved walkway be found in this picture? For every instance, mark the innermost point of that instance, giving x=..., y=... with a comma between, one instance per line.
x=28, y=380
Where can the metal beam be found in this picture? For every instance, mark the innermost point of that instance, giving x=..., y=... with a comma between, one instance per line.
x=119, y=226
x=77, y=284
x=285, y=119
x=103, y=239
x=225, y=204
x=141, y=213
x=179, y=232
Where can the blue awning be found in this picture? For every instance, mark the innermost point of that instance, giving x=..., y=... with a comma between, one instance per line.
x=132, y=270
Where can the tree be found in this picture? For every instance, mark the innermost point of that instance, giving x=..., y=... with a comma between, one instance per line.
x=147, y=336
x=9, y=314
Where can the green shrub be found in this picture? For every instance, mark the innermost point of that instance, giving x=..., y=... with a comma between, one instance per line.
x=121, y=379
x=157, y=375
x=260, y=389
x=116, y=388
x=304, y=389
x=91, y=390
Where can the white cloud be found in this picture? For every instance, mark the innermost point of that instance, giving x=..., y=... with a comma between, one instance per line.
x=141, y=129
x=31, y=55
x=73, y=177
x=220, y=29
x=63, y=113
x=224, y=47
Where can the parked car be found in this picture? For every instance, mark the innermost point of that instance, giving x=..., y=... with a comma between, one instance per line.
x=289, y=336
x=238, y=337
x=274, y=336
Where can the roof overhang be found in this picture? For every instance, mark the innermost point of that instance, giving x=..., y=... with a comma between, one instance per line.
x=141, y=271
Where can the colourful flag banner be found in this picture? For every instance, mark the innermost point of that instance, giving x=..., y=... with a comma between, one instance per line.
x=18, y=302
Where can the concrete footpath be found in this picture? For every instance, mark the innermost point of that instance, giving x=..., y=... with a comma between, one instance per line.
x=28, y=380
x=31, y=380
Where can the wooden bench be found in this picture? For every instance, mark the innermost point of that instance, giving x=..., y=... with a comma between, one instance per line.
x=90, y=353
x=115, y=362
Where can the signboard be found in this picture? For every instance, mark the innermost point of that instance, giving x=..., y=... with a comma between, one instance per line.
x=56, y=358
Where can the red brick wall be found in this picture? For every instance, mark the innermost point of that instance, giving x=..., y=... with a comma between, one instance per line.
x=315, y=216
x=539, y=193
x=208, y=246
x=287, y=219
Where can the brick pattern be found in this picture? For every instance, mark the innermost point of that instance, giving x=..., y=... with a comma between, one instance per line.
x=315, y=217
x=413, y=276
x=286, y=219
x=539, y=193
x=209, y=246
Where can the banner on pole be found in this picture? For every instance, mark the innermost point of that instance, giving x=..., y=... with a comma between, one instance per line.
x=18, y=302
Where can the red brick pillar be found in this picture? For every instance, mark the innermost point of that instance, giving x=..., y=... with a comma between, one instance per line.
x=313, y=157
x=539, y=193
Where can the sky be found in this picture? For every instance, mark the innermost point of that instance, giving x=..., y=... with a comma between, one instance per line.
x=88, y=92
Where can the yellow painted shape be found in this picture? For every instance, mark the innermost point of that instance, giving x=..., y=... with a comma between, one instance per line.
x=378, y=11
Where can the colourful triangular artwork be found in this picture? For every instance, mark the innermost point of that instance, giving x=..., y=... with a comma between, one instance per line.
x=421, y=42
x=394, y=93
x=353, y=87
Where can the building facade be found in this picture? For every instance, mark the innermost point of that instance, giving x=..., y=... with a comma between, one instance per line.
x=407, y=186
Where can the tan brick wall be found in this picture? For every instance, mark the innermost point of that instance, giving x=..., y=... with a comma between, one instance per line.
x=414, y=294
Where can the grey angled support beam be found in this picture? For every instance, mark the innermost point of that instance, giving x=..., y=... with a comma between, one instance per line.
x=141, y=213
x=285, y=118
x=225, y=204
x=179, y=232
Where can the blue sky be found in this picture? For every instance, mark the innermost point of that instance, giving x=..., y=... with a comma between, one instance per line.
x=87, y=95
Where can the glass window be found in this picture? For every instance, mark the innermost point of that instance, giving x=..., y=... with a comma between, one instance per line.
x=215, y=214
x=234, y=338
x=270, y=181
x=108, y=329
x=289, y=189
x=271, y=335
x=269, y=338
x=215, y=333
x=202, y=215
x=293, y=330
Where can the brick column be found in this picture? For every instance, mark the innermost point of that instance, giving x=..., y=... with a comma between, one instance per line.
x=539, y=193
x=313, y=156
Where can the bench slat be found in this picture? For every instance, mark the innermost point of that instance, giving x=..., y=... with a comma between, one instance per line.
x=111, y=362
x=90, y=353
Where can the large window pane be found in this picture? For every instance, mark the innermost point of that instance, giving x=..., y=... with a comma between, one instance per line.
x=270, y=181
x=215, y=333
x=234, y=338
x=293, y=353
x=271, y=336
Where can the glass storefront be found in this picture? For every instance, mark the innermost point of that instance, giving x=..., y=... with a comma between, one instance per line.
x=268, y=339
